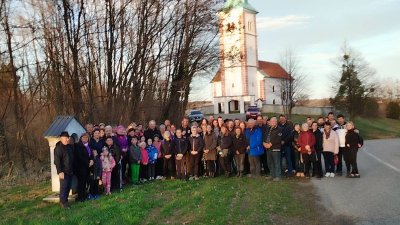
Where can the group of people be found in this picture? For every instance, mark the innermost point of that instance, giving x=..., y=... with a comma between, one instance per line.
x=114, y=156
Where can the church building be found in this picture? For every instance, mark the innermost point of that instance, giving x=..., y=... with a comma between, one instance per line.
x=243, y=79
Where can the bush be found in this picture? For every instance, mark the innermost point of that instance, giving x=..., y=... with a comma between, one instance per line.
x=371, y=108
x=393, y=110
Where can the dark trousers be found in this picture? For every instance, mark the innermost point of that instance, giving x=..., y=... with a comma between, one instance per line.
x=225, y=164
x=232, y=163
x=274, y=163
x=93, y=186
x=240, y=162
x=296, y=161
x=329, y=162
x=143, y=171
x=169, y=167
x=287, y=153
x=116, y=177
x=246, y=168
x=210, y=166
x=65, y=187
x=339, y=167
x=255, y=166
x=160, y=167
x=350, y=158
x=264, y=163
x=194, y=164
x=124, y=165
x=180, y=168
x=83, y=181
x=308, y=160
x=317, y=169
x=151, y=170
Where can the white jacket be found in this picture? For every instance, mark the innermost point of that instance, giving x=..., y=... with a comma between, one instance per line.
x=342, y=137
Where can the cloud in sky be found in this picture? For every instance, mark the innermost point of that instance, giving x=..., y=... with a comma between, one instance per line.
x=271, y=23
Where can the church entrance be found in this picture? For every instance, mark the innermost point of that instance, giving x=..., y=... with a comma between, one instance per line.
x=234, y=106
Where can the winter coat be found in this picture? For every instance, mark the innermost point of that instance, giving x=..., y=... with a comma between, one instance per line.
x=134, y=154
x=286, y=130
x=225, y=141
x=274, y=135
x=144, y=156
x=318, y=140
x=149, y=133
x=240, y=144
x=152, y=153
x=353, y=139
x=96, y=145
x=115, y=152
x=107, y=163
x=64, y=158
x=180, y=146
x=255, y=139
x=196, y=144
x=166, y=147
x=96, y=169
x=306, y=138
x=210, y=143
x=331, y=144
x=341, y=132
x=82, y=159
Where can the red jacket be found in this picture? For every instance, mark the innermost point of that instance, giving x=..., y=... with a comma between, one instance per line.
x=306, y=138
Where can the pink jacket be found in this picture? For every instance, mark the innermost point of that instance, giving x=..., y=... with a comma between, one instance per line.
x=332, y=143
x=107, y=163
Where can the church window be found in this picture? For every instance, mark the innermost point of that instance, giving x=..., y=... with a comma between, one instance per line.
x=273, y=101
x=249, y=26
x=233, y=85
x=273, y=88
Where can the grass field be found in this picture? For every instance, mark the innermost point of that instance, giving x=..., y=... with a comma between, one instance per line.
x=211, y=201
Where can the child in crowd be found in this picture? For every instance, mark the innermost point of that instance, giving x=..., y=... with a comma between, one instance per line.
x=95, y=176
x=134, y=156
x=153, y=153
x=144, y=156
x=107, y=163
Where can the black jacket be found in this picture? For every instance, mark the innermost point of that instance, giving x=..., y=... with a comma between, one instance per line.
x=273, y=136
x=149, y=133
x=97, y=169
x=353, y=139
x=318, y=140
x=64, y=158
x=196, y=143
x=98, y=145
x=287, y=131
x=240, y=144
x=166, y=147
x=225, y=142
x=82, y=159
x=180, y=146
x=115, y=152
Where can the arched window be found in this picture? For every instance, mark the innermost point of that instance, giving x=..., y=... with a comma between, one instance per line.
x=273, y=101
x=273, y=88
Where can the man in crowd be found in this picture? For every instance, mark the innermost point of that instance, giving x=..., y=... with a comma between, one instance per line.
x=272, y=141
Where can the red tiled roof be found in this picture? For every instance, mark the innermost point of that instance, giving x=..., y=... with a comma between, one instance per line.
x=217, y=76
x=273, y=70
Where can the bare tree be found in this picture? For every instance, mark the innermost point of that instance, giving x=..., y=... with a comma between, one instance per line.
x=292, y=89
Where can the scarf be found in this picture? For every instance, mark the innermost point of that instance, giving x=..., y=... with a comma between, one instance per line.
x=327, y=134
x=89, y=152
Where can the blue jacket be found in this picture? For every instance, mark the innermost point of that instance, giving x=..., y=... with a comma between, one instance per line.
x=255, y=139
x=152, y=152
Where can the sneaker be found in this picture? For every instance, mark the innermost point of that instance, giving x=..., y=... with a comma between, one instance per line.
x=357, y=176
x=276, y=179
x=327, y=174
x=332, y=175
x=196, y=178
x=89, y=196
x=191, y=178
x=96, y=196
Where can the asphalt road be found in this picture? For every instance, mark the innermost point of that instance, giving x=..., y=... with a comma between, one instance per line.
x=375, y=197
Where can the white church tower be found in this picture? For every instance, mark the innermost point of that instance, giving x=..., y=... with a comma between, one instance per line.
x=239, y=80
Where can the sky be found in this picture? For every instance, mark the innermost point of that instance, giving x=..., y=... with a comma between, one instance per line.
x=316, y=30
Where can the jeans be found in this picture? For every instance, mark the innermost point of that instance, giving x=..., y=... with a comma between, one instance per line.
x=240, y=162
x=339, y=167
x=255, y=167
x=274, y=163
x=287, y=151
x=65, y=187
x=329, y=163
x=317, y=169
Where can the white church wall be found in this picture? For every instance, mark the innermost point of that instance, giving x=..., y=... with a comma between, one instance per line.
x=233, y=81
x=253, y=82
x=273, y=91
x=250, y=38
x=217, y=89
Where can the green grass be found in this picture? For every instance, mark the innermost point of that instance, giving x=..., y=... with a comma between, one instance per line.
x=211, y=201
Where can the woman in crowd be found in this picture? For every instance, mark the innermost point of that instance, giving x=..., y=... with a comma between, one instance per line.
x=330, y=148
x=224, y=148
x=83, y=160
x=115, y=152
x=239, y=147
x=122, y=142
x=353, y=143
x=179, y=149
x=195, y=154
x=167, y=151
x=306, y=142
x=210, y=150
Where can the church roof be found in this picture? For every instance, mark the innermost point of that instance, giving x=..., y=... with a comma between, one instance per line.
x=230, y=4
x=273, y=70
x=270, y=69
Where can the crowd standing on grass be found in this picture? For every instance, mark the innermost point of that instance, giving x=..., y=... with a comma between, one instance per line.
x=110, y=157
